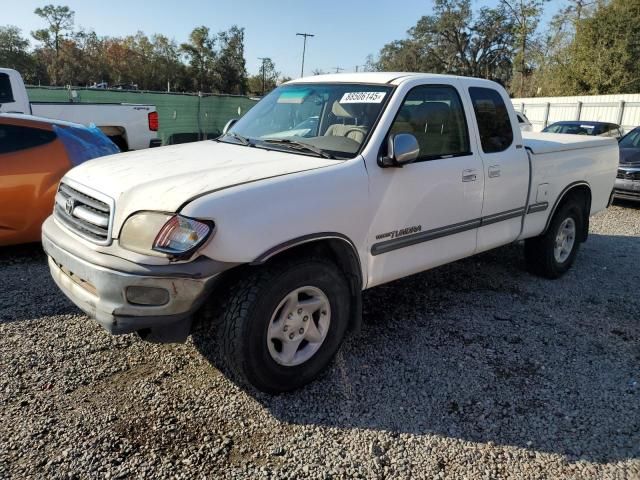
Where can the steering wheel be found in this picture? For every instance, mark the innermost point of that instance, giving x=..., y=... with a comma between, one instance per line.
x=357, y=129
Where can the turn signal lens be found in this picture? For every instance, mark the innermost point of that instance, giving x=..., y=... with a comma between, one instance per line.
x=180, y=235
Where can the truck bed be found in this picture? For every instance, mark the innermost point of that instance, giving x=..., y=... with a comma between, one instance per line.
x=559, y=161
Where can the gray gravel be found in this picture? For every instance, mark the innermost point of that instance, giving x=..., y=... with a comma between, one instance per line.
x=473, y=370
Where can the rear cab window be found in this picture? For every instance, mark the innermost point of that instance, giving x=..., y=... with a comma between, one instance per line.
x=435, y=116
x=492, y=116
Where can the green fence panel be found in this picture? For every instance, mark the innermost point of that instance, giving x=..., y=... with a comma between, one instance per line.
x=183, y=117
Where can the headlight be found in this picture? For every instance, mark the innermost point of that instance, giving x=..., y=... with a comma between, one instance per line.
x=172, y=235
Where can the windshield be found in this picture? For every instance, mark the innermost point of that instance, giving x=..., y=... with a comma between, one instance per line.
x=325, y=119
x=632, y=140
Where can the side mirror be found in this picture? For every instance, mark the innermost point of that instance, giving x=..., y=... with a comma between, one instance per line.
x=402, y=149
x=229, y=124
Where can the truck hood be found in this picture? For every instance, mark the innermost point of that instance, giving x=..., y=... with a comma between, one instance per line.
x=163, y=179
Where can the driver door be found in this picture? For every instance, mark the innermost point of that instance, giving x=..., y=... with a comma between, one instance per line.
x=426, y=213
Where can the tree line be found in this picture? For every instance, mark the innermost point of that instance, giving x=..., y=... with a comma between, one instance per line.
x=65, y=55
x=590, y=47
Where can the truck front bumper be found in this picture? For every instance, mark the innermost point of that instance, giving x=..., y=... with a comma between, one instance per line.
x=156, y=301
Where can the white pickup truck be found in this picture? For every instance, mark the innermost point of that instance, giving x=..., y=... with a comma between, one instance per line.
x=398, y=173
x=130, y=126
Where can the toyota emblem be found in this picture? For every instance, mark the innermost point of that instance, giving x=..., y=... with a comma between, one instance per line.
x=68, y=206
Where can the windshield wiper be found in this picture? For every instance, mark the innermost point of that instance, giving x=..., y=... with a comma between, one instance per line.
x=243, y=140
x=294, y=144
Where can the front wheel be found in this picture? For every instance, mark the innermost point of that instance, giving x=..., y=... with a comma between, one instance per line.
x=551, y=254
x=283, y=323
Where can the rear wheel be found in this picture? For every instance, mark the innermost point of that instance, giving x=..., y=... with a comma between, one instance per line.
x=551, y=254
x=283, y=323
x=120, y=142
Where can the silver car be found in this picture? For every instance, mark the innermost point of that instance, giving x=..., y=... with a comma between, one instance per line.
x=628, y=179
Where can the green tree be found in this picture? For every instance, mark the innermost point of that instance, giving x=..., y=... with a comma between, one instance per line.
x=265, y=80
x=14, y=52
x=453, y=40
x=553, y=52
x=170, y=71
x=230, y=64
x=201, y=56
x=60, y=25
x=603, y=56
x=525, y=16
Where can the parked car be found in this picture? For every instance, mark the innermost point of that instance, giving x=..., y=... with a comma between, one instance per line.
x=34, y=155
x=406, y=172
x=598, y=129
x=523, y=121
x=130, y=126
x=125, y=86
x=628, y=178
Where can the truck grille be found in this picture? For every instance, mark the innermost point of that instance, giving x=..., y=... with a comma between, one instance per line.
x=625, y=175
x=84, y=214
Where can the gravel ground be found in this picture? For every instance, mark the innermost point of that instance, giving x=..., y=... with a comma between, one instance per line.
x=473, y=370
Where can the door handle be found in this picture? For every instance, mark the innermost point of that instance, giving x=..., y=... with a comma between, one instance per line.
x=494, y=171
x=469, y=175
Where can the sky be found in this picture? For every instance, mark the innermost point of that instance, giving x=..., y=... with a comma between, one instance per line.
x=346, y=31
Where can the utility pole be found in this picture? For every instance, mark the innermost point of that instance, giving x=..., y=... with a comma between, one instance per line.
x=339, y=69
x=263, y=79
x=304, y=48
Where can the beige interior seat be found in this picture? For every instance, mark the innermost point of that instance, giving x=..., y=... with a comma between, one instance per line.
x=355, y=132
x=429, y=123
x=432, y=118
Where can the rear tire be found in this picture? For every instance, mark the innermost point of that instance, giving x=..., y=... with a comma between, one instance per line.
x=261, y=314
x=551, y=254
x=120, y=142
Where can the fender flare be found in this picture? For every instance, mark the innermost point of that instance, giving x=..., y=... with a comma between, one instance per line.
x=356, y=282
x=294, y=242
x=561, y=197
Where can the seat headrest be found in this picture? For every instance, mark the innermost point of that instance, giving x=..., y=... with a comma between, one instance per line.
x=340, y=111
x=431, y=115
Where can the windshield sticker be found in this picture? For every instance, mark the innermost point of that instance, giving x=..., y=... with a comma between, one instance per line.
x=294, y=96
x=363, y=97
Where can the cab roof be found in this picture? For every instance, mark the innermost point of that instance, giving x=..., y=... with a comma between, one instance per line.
x=393, y=78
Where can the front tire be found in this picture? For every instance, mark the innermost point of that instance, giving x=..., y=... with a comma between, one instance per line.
x=551, y=254
x=283, y=323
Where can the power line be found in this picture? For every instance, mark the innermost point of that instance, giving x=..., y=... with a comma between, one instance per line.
x=304, y=48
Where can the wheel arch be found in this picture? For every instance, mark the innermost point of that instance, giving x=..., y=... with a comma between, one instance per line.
x=336, y=246
x=581, y=191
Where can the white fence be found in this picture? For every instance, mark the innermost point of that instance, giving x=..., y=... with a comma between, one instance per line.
x=621, y=109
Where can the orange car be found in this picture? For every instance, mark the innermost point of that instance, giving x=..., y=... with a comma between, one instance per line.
x=34, y=155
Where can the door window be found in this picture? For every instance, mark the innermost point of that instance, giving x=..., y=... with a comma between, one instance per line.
x=434, y=115
x=6, y=94
x=14, y=138
x=494, y=124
